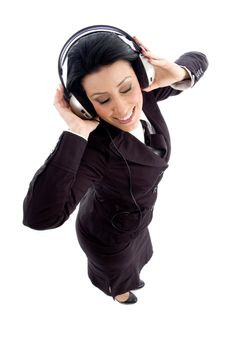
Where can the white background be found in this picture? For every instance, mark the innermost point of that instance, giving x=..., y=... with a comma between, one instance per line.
x=47, y=301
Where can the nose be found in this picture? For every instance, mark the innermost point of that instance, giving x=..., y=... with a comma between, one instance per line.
x=119, y=107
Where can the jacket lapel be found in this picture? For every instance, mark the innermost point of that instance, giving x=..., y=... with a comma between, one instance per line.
x=154, y=140
x=135, y=151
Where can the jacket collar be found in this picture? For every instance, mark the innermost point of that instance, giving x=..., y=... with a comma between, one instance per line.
x=136, y=151
x=133, y=150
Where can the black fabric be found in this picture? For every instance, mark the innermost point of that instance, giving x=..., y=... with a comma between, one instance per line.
x=159, y=144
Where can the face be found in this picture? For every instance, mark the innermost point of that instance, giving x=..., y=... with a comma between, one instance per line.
x=115, y=94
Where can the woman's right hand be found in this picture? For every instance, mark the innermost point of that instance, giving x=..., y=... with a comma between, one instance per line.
x=75, y=124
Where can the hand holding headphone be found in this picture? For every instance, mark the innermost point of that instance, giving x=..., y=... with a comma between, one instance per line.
x=144, y=70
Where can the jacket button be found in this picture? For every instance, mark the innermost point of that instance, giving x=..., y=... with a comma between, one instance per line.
x=155, y=189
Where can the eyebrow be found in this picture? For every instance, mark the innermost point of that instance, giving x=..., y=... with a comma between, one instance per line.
x=105, y=92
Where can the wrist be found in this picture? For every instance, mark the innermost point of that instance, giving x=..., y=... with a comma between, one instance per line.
x=184, y=74
x=76, y=133
x=80, y=132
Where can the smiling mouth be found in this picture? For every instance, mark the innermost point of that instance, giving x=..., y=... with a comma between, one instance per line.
x=126, y=119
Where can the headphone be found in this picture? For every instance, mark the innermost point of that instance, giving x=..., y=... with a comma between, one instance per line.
x=80, y=105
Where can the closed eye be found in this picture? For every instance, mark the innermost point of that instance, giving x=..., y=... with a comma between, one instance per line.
x=122, y=92
x=127, y=90
x=103, y=102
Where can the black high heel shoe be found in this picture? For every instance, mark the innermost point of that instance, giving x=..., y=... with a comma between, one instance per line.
x=132, y=299
x=141, y=285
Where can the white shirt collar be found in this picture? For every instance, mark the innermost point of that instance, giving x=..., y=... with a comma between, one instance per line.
x=138, y=132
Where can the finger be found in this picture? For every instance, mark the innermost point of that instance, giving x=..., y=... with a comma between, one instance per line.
x=143, y=47
x=151, y=56
x=158, y=62
x=60, y=92
x=57, y=96
x=148, y=89
x=59, y=101
x=151, y=87
x=60, y=88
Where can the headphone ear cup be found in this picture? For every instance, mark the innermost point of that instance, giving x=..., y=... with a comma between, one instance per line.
x=149, y=69
x=79, y=109
x=144, y=70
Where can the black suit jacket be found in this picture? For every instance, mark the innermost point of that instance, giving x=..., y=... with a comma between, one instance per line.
x=113, y=175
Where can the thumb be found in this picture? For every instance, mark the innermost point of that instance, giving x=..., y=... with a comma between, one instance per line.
x=148, y=89
x=151, y=87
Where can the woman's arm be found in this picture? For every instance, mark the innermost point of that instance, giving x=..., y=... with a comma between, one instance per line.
x=74, y=165
x=59, y=185
x=195, y=62
x=169, y=75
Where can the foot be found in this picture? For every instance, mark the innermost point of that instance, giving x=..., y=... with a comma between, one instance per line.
x=126, y=298
x=122, y=297
x=141, y=285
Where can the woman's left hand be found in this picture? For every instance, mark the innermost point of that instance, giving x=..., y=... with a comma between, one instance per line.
x=166, y=73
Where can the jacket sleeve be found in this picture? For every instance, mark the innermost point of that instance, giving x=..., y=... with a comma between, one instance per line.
x=59, y=185
x=197, y=64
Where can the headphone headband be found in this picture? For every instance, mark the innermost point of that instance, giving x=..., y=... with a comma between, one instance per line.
x=86, y=31
x=89, y=30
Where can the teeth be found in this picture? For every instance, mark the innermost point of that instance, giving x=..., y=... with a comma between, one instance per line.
x=127, y=117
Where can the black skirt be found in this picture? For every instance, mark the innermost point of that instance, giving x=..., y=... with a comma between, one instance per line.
x=115, y=269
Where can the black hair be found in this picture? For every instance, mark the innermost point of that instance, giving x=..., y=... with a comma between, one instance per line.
x=93, y=51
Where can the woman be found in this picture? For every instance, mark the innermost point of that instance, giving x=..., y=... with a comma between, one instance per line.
x=111, y=164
